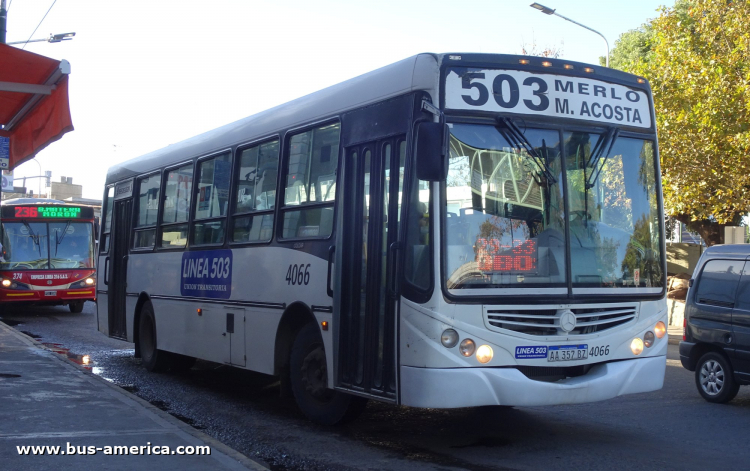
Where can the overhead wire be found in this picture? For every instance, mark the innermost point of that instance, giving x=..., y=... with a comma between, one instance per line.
x=40, y=24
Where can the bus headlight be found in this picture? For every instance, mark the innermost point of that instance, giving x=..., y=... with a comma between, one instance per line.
x=467, y=347
x=660, y=329
x=449, y=339
x=636, y=346
x=648, y=339
x=84, y=283
x=484, y=354
x=6, y=283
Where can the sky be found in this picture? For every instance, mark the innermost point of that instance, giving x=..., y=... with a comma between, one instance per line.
x=148, y=73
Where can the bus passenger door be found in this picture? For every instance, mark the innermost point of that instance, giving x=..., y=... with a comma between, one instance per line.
x=118, y=267
x=372, y=177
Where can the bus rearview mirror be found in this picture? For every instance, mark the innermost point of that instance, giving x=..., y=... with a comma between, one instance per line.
x=430, y=151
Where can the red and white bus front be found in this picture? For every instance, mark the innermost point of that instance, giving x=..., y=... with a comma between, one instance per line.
x=47, y=255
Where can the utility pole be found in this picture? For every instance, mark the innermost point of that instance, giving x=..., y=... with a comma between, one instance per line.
x=3, y=21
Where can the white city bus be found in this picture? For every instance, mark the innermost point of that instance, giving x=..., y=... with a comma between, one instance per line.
x=452, y=230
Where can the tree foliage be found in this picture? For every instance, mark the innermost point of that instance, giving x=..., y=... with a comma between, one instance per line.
x=697, y=57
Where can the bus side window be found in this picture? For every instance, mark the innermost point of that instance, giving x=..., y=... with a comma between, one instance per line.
x=212, y=200
x=107, y=222
x=310, y=176
x=418, y=265
x=177, y=193
x=256, y=193
x=148, y=209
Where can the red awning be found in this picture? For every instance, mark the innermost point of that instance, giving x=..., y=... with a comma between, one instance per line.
x=34, y=109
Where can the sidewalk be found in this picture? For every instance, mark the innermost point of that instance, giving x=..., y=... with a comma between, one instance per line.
x=45, y=400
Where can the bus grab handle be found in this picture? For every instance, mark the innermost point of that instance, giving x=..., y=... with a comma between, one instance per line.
x=331, y=251
x=392, y=260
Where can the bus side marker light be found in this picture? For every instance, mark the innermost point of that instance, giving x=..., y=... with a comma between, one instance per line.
x=660, y=329
x=568, y=66
x=484, y=354
x=523, y=61
x=200, y=311
x=648, y=339
x=449, y=339
x=546, y=64
x=588, y=69
x=6, y=283
x=324, y=325
x=467, y=347
x=636, y=346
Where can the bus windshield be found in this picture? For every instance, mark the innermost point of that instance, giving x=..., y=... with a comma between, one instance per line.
x=41, y=246
x=506, y=213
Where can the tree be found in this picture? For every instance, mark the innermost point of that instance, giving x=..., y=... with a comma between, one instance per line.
x=697, y=57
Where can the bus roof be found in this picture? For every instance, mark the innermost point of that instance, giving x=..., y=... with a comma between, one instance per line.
x=419, y=72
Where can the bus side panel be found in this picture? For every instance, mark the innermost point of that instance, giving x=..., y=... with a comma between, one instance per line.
x=181, y=329
x=260, y=275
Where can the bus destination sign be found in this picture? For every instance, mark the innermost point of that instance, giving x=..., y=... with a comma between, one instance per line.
x=516, y=91
x=62, y=212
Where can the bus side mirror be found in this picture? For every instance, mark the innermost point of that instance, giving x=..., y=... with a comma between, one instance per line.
x=431, y=151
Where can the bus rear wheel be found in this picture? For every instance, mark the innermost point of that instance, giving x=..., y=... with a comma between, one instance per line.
x=309, y=379
x=76, y=307
x=152, y=358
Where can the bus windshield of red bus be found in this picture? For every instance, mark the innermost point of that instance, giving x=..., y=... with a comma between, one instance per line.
x=43, y=246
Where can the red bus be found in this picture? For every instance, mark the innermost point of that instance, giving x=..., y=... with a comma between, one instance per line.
x=47, y=254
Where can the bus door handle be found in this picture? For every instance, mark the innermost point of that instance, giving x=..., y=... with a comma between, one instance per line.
x=392, y=260
x=106, y=270
x=331, y=252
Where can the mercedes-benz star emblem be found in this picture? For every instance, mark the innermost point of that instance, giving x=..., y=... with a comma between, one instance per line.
x=567, y=321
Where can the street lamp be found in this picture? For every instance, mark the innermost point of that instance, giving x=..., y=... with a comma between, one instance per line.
x=53, y=38
x=551, y=11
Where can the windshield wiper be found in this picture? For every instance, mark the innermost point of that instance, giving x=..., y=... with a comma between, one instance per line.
x=598, y=157
x=516, y=138
x=59, y=241
x=34, y=237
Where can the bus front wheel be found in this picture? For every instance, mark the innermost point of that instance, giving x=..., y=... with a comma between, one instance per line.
x=309, y=379
x=76, y=307
x=152, y=358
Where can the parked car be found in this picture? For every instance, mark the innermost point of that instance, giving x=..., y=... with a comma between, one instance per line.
x=716, y=338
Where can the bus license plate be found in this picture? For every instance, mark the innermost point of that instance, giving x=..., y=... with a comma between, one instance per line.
x=568, y=353
x=50, y=293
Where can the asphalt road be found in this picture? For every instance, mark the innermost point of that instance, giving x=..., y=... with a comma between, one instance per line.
x=670, y=429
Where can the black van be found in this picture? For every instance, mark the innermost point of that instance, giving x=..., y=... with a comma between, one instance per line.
x=716, y=339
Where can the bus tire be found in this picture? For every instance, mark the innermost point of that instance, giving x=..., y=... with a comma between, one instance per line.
x=152, y=358
x=76, y=307
x=309, y=380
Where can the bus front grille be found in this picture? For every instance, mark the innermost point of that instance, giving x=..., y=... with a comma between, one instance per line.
x=543, y=321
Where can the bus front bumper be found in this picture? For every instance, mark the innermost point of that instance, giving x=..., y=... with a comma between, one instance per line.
x=470, y=387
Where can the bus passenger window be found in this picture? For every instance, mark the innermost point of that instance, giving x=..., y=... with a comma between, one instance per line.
x=311, y=181
x=256, y=193
x=148, y=208
x=212, y=200
x=177, y=192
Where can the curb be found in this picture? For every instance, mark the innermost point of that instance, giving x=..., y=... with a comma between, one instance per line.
x=215, y=444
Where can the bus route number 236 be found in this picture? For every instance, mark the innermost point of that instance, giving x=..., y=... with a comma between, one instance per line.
x=298, y=274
